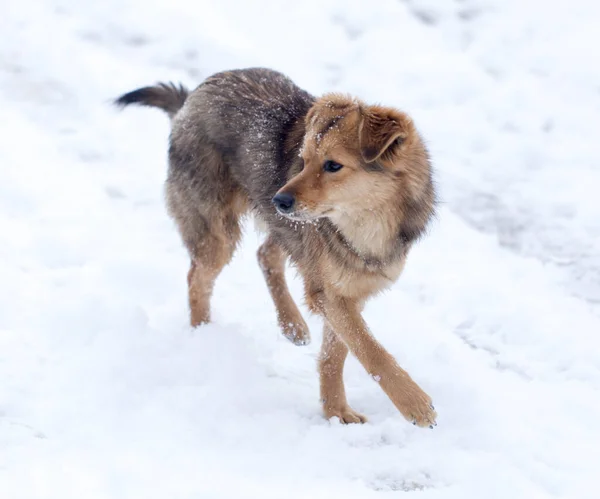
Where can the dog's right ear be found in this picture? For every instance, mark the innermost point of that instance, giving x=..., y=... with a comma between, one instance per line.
x=381, y=131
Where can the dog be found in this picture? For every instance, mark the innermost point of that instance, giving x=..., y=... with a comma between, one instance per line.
x=343, y=188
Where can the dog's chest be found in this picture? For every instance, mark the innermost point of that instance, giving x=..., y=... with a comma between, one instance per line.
x=360, y=282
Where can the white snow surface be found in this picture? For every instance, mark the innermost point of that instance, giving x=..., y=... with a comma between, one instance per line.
x=106, y=392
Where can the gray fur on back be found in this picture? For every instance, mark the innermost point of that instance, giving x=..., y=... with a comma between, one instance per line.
x=237, y=130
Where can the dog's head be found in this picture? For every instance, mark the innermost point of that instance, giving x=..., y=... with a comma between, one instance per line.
x=356, y=157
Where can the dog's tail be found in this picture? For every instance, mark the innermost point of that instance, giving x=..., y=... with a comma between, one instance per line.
x=166, y=96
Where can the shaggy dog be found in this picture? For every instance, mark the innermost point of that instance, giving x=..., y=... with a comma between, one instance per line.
x=343, y=188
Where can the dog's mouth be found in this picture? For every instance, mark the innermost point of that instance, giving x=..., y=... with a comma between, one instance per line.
x=299, y=216
x=304, y=216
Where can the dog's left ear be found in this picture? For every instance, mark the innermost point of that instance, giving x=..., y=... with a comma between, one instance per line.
x=381, y=131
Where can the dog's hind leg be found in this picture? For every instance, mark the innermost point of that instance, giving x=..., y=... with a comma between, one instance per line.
x=272, y=262
x=209, y=227
x=208, y=257
x=206, y=204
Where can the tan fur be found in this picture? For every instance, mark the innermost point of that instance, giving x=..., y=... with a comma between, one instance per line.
x=331, y=369
x=244, y=136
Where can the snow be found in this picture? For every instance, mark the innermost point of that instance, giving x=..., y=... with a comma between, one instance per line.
x=106, y=392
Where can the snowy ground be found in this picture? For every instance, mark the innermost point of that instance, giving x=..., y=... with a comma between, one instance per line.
x=105, y=392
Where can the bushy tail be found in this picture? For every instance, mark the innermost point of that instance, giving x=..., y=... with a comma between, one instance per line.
x=166, y=96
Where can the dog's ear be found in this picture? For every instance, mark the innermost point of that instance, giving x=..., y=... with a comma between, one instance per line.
x=382, y=131
x=310, y=116
x=328, y=106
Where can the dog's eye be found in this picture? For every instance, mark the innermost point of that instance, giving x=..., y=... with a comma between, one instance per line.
x=332, y=166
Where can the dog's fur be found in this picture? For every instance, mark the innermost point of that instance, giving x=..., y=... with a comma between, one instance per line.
x=244, y=136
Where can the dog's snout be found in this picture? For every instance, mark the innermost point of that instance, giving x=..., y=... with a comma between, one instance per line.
x=284, y=202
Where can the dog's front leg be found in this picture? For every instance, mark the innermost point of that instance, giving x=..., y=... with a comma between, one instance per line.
x=346, y=321
x=331, y=372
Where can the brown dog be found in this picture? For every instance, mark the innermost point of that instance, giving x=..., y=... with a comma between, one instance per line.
x=344, y=189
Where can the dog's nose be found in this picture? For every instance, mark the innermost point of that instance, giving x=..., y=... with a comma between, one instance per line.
x=284, y=202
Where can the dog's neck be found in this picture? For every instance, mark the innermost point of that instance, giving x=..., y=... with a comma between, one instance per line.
x=373, y=234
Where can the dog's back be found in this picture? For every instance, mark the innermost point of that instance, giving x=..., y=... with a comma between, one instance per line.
x=237, y=127
x=247, y=116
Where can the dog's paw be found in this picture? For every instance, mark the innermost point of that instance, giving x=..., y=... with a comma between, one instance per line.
x=296, y=332
x=345, y=414
x=415, y=405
